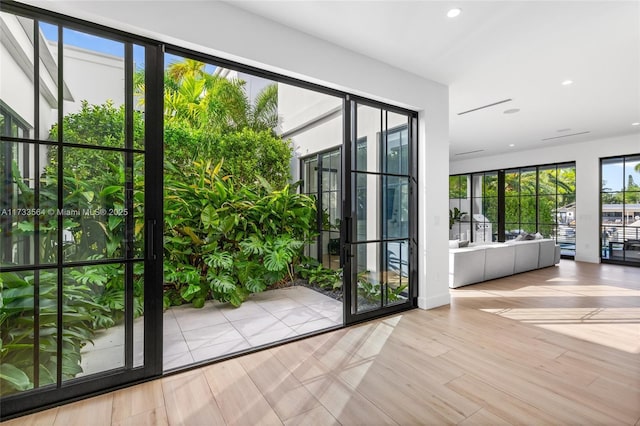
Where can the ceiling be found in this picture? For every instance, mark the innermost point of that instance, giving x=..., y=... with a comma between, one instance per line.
x=494, y=51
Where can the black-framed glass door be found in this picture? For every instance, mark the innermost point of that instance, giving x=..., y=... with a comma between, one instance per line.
x=380, y=211
x=77, y=216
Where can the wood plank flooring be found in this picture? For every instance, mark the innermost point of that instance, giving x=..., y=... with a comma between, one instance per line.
x=554, y=346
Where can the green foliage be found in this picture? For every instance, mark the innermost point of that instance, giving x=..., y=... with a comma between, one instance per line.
x=454, y=216
x=373, y=291
x=315, y=273
x=17, y=327
x=223, y=242
x=249, y=154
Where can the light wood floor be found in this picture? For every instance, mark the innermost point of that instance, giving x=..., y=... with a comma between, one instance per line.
x=555, y=346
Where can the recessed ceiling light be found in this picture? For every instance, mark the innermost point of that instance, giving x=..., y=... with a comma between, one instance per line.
x=511, y=145
x=454, y=12
x=511, y=111
x=567, y=82
x=635, y=124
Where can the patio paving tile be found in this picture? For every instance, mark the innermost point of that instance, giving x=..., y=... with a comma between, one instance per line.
x=220, y=349
x=315, y=325
x=298, y=315
x=276, y=305
x=250, y=327
x=272, y=335
x=190, y=318
x=191, y=335
x=248, y=309
x=207, y=336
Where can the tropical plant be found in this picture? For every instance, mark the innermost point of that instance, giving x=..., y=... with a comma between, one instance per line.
x=314, y=272
x=374, y=291
x=223, y=242
x=17, y=327
x=455, y=215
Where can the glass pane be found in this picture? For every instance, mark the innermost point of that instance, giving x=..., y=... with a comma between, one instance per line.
x=547, y=212
x=490, y=185
x=368, y=134
x=366, y=219
x=94, y=209
x=512, y=182
x=49, y=77
x=632, y=172
x=547, y=180
x=138, y=314
x=528, y=182
x=331, y=249
x=478, y=185
x=138, y=96
x=93, y=304
x=94, y=113
x=20, y=212
x=512, y=209
x=612, y=175
x=613, y=208
x=17, y=329
x=566, y=179
x=395, y=276
x=16, y=78
x=464, y=183
x=547, y=230
x=311, y=176
x=368, y=277
x=396, y=156
x=395, y=208
x=138, y=206
x=490, y=209
x=528, y=209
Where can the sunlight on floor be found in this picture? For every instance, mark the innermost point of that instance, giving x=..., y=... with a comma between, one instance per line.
x=617, y=328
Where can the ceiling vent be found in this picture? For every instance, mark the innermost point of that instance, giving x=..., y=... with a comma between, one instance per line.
x=566, y=136
x=485, y=106
x=469, y=152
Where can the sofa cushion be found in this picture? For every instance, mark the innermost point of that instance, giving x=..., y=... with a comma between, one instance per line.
x=466, y=266
x=546, y=253
x=499, y=261
x=526, y=258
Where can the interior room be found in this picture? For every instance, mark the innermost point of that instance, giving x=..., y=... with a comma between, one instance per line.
x=460, y=179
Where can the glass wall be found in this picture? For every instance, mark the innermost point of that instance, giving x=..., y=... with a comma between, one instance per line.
x=459, y=207
x=536, y=199
x=620, y=209
x=72, y=259
x=484, y=207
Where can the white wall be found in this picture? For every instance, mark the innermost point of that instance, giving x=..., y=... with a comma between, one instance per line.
x=220, y=29
x=93, y=77
x=587, y=157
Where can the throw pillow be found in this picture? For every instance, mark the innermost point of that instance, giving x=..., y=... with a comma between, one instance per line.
x=464, y=243
x=538, y=236
x=529, y=237
x=454, y=243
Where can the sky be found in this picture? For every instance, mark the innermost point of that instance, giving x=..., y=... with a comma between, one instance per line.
x=104, y=45
x=615, y=176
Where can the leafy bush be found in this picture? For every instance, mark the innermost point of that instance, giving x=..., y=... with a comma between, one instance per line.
x=315, y=273
x=17, y=328
x=224, y=243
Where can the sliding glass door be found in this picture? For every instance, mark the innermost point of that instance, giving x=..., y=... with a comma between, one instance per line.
x=380, y=213
x=73, y=264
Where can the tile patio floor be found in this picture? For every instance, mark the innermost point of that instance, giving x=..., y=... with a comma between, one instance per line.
x=192, y=335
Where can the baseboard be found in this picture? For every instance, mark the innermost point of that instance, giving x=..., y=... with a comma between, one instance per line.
x=434, y=301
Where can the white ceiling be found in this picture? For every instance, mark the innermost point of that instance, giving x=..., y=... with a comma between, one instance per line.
x=497, y=50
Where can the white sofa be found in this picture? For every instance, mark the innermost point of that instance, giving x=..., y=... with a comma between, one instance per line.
x=483, y=262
